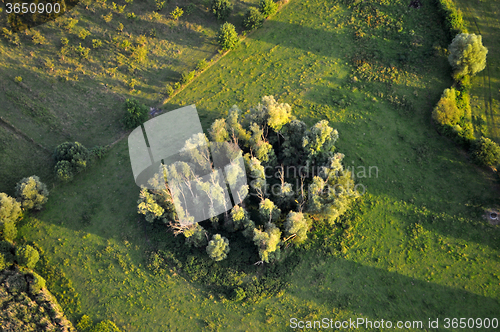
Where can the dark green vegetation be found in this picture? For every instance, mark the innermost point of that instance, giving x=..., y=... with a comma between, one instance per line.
x=415, y=246
x=136, y=114
x=27, y=305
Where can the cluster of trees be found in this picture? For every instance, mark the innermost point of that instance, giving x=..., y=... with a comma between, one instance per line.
x=31, y=194
x=279, y=204
x=453, y=112
x=73, y=157
x=27, y=305
x=227, y=36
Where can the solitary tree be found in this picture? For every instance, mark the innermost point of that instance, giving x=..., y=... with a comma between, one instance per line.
x=253, y=19
x=135, y=114
x=446, y=111
x=218, y=247
x=32, y=193
x=486, y=152
x=268, y=7
x=227, y=37
x=221, y=8
x=467, y=54
x=27, y=256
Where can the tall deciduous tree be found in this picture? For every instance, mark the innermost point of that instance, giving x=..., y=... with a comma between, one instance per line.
x=195, y=235
x=32, y=193
x=227, y=37
x=467, y=54
x=218, y=247
x=268, y=211
x=267, y=242
x=296, y=223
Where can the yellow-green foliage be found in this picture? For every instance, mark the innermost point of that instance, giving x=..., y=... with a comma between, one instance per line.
x=446, y=111
x=32, y=193
x=467, y=54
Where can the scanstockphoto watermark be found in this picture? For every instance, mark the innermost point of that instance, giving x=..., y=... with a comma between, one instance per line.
x=295, y=176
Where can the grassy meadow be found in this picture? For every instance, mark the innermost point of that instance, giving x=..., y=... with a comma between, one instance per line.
x=482, y=19
x=68, y=79
x=416, y=245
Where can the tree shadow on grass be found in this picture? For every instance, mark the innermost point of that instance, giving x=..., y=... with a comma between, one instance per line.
x=375, y=293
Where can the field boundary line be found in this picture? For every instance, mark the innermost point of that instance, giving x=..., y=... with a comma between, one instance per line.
x=219, y=55
x=13, y=128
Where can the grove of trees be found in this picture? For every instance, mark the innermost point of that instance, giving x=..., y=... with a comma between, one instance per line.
x=293, y=170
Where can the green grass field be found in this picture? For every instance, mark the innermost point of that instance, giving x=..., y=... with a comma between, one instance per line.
x=64, y=96
x=417, y=248
x=482, y=18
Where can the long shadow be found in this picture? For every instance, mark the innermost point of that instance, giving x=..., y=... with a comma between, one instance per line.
x=377, y=294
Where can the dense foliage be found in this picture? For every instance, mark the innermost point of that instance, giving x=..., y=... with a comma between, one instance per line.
x=268, y=7
x=486, y=152
x=27, y=305
x=253, y=19
x=221, y=8
x=467, y=54
x=293, y=173
x=135, y=114
x=32, y=193
x=71, y=158
x=227, y=37
x=10, y=213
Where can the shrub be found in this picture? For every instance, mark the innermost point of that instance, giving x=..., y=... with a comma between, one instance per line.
x=169, y=90
x=36, y=284
x=75, y=153
x=96, y=43
x=64, y=171
x=135, y=115
x=64, y=41
x=486, y=152
x=106, y=326
x=268, y=7
x=18, y=79
x=83, y=34
x=97, y=152
x=221, y=9
x=467, y=54
x=159, y=5
x=202, y=65
x=3, y=263
x=218, y=247
x=176, y=13
x=253, y=19
x=8, y=230
x=32, y=193
x=107, y=18
x=446, y=111
x=132, y=16
x=227, y=37
x=453, y=16
x=27, y=256
x=187, y=77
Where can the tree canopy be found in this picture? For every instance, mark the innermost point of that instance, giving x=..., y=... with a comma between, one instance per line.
x=467, y=54
x=32, y=193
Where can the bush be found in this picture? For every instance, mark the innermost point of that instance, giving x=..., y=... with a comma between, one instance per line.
x=253, y=19
x=187, y=77
x=136, y=114
x=467, y=54
x=96, y=43
x=36, y=284
x=202, y=65
x=32, y=193
x=64, y=171
x=169, y=90
x=486, y=152
x=453, y=16
x=227, y=37
x=75, y=153
x=268, y=7
x=27, y=256
x=10, y=209
x=446, y=111
x=221, y=9
x=177, y=13
x=83, y=34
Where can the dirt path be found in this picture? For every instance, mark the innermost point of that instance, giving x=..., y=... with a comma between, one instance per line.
x=10, y=127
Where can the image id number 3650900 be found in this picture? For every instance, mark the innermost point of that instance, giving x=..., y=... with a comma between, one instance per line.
x=470, y=323
x=32, y=8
